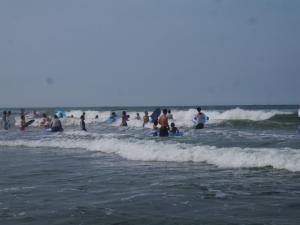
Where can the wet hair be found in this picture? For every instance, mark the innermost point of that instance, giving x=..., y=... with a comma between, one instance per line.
x=165, y=111
x=169, y=111
x=172, y=124
x=97, y=117
x=55, y=116
x=199, y=109
x=124, y=112
x=155, y=122
x=4, y=112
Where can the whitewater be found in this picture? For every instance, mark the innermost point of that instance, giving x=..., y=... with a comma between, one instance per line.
x=223, y=143
x=245, y=162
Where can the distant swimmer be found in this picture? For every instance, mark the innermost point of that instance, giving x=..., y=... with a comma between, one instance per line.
x=138, y=117
x=200, y=119
x=82, y=121
x=97, y=117
x=4, y=120
x=113, y=117
x=164, y=124
x=10, y=120
x=174, y=129
x=23, y=122
x=56, y=124
x=146, y=118
x=170, y=115
x=35, y=114
x=45, y=123
x=125, y=118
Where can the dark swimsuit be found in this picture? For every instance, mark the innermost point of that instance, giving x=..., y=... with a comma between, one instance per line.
x=163, y=132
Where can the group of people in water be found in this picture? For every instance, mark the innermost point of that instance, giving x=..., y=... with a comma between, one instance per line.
x=162, y=120
x=161, y=125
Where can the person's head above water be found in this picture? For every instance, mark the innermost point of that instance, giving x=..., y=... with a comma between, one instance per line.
x=199, y=109
x=155, y=122
x=172, y=124
x=124, y=112
x=165, y=111
x=169, y=111
x=55, y=116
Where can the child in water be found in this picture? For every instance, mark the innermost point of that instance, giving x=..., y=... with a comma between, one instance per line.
x=146, y=118
x=155, y=130
x=124, y=119
x=138, y=117
x=174, y=129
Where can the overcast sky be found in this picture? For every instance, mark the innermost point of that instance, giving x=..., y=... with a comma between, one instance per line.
x=154, y=52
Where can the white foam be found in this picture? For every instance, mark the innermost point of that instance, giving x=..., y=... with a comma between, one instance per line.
x=149, y=150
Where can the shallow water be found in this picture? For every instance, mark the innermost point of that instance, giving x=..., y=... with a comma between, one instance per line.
x=235, y=171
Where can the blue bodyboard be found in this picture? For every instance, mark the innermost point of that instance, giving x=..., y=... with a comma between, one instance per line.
x=49, y=130
x=112, y=119
x=177, y=134
x=195, y=121
x=154, y=116
x=61, y=114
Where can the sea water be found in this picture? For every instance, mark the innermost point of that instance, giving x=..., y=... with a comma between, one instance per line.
x=243, y=168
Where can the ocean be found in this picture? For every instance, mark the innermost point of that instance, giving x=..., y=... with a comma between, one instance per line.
x=242, y=168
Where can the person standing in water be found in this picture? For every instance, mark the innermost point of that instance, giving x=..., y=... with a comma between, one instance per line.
x=146, y=119
x=56, y=124
x=82, y=121
x=23, y=122
x=45, y=123
x=200, y=119
x=9, y=120
x=124, y=119
x=4, y=120
x=170, y=115
x=138, y=117
x=164, y=124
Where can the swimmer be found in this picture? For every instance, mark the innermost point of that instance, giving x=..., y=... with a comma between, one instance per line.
x=124, y=119
x=56, y=124
x=164, y=124
x=138, y=117
x=200, y=118
x=173, y=129
x=146, y=119
x=82, y=121
x=170, y=115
